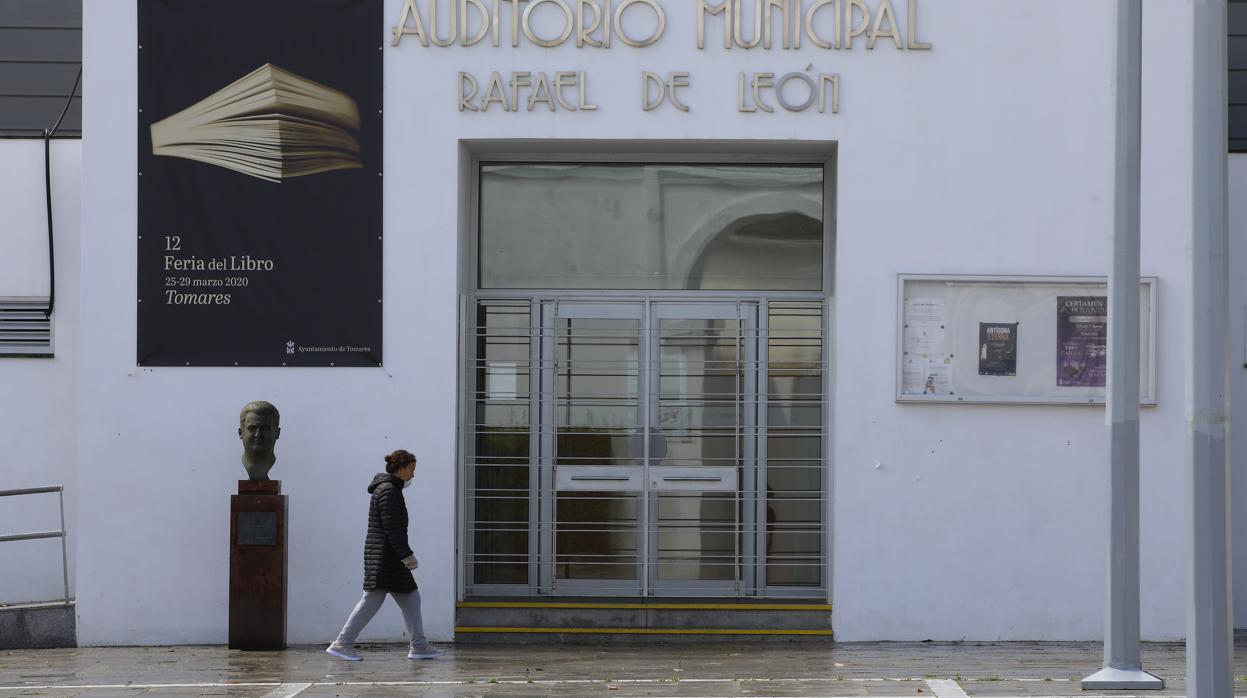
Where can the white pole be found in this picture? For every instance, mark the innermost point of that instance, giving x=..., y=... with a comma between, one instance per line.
x=1123, y=668
x=1209, y=666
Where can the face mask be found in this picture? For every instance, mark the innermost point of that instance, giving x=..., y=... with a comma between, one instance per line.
x=406, y=484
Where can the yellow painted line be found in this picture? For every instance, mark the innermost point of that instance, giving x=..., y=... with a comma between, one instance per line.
x=659, y=606
x=646, y=631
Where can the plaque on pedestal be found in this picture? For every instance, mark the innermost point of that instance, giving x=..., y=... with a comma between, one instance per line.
x=257, y=566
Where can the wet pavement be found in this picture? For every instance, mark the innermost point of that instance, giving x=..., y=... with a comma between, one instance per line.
x=805, y=670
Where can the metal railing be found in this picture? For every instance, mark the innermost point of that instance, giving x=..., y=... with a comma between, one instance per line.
x=60, y=492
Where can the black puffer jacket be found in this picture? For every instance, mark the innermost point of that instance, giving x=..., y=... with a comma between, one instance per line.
x=386, y=546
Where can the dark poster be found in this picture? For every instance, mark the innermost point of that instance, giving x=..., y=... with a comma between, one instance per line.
x=998, y=348
x=259, y=186
x=1082, y=341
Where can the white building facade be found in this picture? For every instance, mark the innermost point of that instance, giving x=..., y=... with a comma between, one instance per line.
x=759, y=301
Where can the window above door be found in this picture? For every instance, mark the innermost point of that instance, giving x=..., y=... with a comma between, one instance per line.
x=603, y=226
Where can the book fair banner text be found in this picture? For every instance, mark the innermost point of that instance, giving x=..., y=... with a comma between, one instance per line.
x=259, y=183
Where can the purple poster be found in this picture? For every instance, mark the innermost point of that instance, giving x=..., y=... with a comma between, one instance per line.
x=1082, y=341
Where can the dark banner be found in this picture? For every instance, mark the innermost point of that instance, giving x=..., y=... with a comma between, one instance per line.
x=260, y=160
x=998, y=348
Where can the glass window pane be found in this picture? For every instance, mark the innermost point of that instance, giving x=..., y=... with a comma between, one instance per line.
x=674, y=227
x=501, y=470
x=697, y=537
x=595, y=391
x=794, y=446
x=502, y=366
x=595, y=535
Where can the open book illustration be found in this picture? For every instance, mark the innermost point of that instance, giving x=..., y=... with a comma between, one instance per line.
x=270, y=124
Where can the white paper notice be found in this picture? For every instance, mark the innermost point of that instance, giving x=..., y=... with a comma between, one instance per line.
x=927, y=376
x=924, y=327
x=939, y=377
x=500, y=380
x=928, y=310
x=924, y=339
x=913, y=375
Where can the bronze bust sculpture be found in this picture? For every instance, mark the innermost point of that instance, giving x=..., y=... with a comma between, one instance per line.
x=259, y=426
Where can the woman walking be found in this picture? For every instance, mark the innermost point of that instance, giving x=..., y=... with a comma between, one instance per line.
x=388, y=562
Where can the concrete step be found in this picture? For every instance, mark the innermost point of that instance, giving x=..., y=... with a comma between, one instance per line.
x=38, y=626
x=597, y=621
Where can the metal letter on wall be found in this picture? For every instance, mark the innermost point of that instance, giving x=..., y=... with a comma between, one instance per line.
x=259, y=183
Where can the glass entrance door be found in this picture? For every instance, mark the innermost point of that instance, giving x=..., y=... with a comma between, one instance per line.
x=592, y=476
x=648, y=422
x=703, y=388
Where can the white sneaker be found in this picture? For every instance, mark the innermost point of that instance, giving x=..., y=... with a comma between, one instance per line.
x=426, y=652
x=343, y=652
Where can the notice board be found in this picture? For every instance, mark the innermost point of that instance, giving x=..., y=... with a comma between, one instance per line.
x=1006, y=339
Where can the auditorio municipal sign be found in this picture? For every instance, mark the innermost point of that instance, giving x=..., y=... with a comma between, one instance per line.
x=783, y=25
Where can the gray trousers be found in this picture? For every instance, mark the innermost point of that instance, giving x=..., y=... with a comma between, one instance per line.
x=371, y=603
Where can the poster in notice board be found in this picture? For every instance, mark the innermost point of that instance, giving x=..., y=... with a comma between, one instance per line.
x=998, y=348
x=1082, y=341
x=259, y=182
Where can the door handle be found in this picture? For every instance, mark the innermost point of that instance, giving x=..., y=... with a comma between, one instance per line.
x=692, y=479
x=601, y=478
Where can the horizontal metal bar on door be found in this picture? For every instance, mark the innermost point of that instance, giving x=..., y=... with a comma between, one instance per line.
x=797, y=555
x=618, y=464
x=772, y=561
x=680, y=495
x=716, y=338
x=606, y=296
x=627, y=462
x=632, y=363
x=628, y=524
x=721, y=496
x=626, y=430
x=630, y=555
x=781, y=525
x=724, y=526
x=684, y=432
x=790, y=559
x=630, y=460
x=733, y=593
x=486, y=331
x=723, y=342
x=779, y=372
x=688, y=478
x=779, y=432
x=809, y=532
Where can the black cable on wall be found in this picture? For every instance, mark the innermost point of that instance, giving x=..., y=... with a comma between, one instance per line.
x=47, y=188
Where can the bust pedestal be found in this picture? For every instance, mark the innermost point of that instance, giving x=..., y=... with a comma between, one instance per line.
x=257, y=566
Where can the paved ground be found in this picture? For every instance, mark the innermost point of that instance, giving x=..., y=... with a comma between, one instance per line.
x=799, y=670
